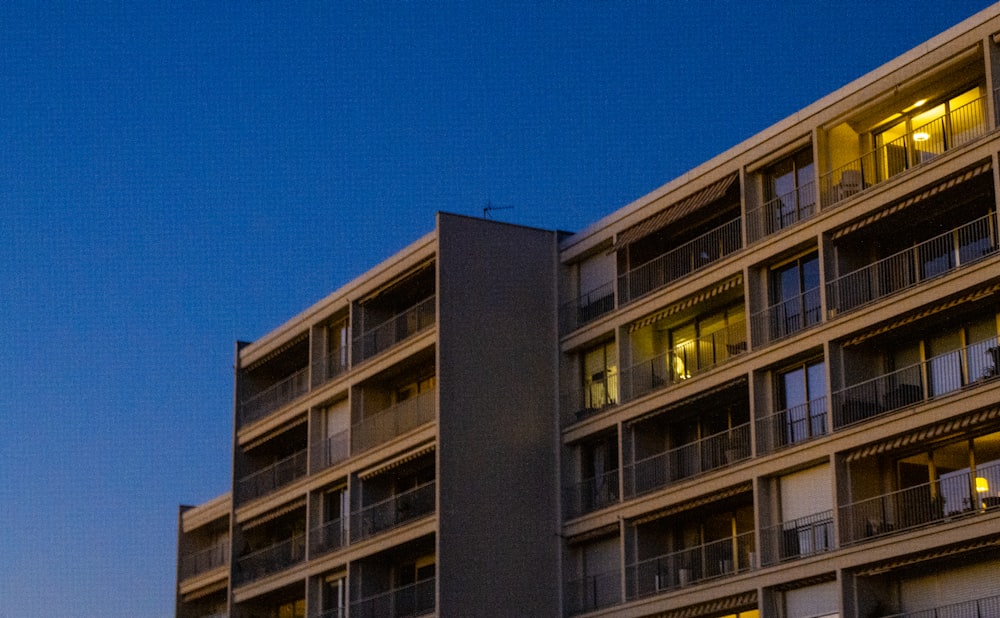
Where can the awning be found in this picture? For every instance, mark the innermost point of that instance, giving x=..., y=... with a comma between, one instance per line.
x=687, y=303
x=972, y=296
x=922, y=436
x=277, y=351
x=274, y=433
x=276, y=513
x=675, y=212
x=395, y=462
x=944, y=185
x=716, y=496
x=729, y=604
x=945, y=552
x=711, y=392
x=610, y=529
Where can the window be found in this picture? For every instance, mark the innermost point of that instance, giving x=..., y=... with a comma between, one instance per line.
x=795, y=299
x=412, y=389
x=789, y=193
x=333, y=596
x=706, y=341
x=599, y=473
x=336, y=338
x=801, y=394
x=600, y=376
x=954, y=357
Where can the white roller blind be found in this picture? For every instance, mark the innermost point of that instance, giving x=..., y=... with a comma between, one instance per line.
x=596, y=272
x=818, y=600
x=952, y=585
x=337, y=418
x=806, y=493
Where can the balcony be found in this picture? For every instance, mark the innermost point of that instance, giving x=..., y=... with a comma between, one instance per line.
x=600, y=392
x=792, y=426
x=270, y=559
x=272, y=477
x=394, y=421
x=395, y=330
x=782, y=212
x=205, y=560
x=588, y=307
x=933, y=258
x=919, y=505
x=797, y=538
x=330, y=536
x=263, y=403
x=592, y=494
x=331, y=450
x=785, y=318
x=922, y=144
x=976, y=608
x=680, y=261
x=688, y=460
x=715, y=559
x=328, y=368
x=684, y=361
x=938, y=376
x=393, y=512
x=593, y=592
x=417, y=599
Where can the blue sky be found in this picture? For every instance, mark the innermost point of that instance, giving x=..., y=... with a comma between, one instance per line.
x=177, y=177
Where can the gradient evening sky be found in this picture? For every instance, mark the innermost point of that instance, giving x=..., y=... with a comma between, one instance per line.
x=176, y=176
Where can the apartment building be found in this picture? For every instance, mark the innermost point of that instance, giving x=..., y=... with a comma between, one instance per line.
x=768, y=388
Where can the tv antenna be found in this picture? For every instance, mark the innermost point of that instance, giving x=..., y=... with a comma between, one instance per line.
x=490, y=207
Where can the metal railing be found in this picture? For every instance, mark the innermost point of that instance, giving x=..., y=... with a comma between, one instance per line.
x=593, y=592
x=986, y=607
x=719, y=558
x=391, y=422
x=271, y=559
x=710, y=453
x=684, y=361
x=787, y=317
x=270, y=399
x=394, y=330
x=331, y=450
x=792, y=426
x=798, y=538
x=932, y=258
x=588, y=307
x=415, y=599
x=952, y=496
x=336, y=612
x=782, y=212
x=592, y=494
x=599, y=394
x=205, y=560
x=329, y=367
x=393, y=511
x=327, y=537
x=935, y=377
x=680, y=262
x=270, y=478
x=923, y=144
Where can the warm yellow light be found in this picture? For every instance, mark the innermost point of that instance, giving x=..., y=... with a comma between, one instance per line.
x=982, y=485
x=921, y=136
x=915, y=105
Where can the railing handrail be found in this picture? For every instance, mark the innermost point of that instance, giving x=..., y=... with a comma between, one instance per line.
x=728, y=433
x=911, y=252
x=381, y=595
x=730, y=540
x=362, y=351
x=780, y=199
x=809, y=405
x=394, y=498
x=293, y=461
x=205, y=559
x=296, y=540
x=420, y=406
x=681, y=248
x=955, y=609
x=247, y=406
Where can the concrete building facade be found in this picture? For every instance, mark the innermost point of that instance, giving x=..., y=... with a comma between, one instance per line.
x=768, y=388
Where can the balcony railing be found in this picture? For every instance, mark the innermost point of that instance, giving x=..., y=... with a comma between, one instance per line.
x=792, y=426
x=592, y=494
x=263, y=403
x=599, y=393
x=393, y=512
x=336, y=612
x=952, y=496
x=798, y=538
x=935, y=377
x=684, y=361
x=205, y=560
x=986, y=607
x=720, y=558
x=782, y=211
x=940, y=255
x=328, y=537
x=395, y=330
x=925, y=143
x=413, y=600
x=395, y=421
x=331, y=450
x=787, y=317
x=329, y=367
x=710, y=453
x=588, y=307
x=680, y=262
x=594, y=592
x=270, y=478
x=271, y=559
